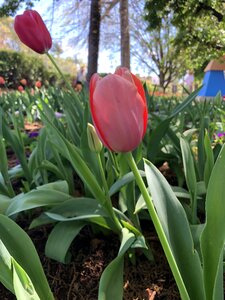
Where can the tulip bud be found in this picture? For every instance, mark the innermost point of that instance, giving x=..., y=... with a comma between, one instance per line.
x=94, y=142
x=32, y=31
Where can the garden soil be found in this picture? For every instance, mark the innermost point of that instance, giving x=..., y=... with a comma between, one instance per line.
x=91, y=253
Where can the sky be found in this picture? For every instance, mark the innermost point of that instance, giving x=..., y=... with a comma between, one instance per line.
x=107, y=62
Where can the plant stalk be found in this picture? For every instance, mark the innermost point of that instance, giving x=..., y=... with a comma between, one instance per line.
x=158, y=227
x=68, y=85
x=108, y=202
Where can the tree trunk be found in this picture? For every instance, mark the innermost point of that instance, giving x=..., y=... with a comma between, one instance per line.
x=125, y=34
x=93, y=38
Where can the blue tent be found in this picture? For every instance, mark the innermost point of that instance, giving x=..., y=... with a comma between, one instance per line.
x=213, y=83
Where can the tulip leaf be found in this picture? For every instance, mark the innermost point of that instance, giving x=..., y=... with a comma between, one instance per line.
x=213, y=236
x=61, y=218
x=159, y=132
x=5, y=268
x=73, y=154
x=180, y=107
x=36, y=198
x=129, y=177
x=177, y=230
x=190, y=176
x=155, y=138
x=111, y=282
x=60, y=240
x=209, y=163
x=78, y=208
x=21, y=248
x=24, y=289
x=5, y=201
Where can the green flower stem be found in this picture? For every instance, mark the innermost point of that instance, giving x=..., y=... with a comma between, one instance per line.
x=108, y=202
x=65, y=80
x=158, y=227
x=114, y=163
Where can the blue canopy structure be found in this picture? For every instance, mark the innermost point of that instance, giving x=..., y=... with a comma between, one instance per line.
x=213, y=83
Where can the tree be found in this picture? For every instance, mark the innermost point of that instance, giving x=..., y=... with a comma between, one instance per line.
x=155, y=50
x=200, y=26
x=10, y=7
x=124, y=34
x=93, y=38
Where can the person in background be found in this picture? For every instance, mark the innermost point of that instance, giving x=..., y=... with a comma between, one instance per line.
x=189, y=80
x=81, y=79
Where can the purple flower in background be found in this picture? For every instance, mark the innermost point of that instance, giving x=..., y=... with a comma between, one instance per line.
x=59, y=115
x=220, y=134
x=33, y=134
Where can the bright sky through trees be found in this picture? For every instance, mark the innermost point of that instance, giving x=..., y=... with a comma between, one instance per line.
x=107, y=61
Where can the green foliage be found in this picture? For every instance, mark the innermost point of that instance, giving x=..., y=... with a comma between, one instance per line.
x=180, y=133
x=20, y=264
x=177, y=229
x=213, y=236
x=200, y=27
x=15, y=66
x=9, y=7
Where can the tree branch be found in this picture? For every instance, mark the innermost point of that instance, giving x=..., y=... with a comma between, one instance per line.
x=203, y=6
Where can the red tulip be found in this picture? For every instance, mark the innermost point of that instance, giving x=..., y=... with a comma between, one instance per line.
x=32, y=31
x=2, y=80
x=20, y=88
x=119, y=109
x=23, y=81
x=38, y=84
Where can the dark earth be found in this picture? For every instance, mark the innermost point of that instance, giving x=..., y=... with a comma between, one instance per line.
x=90, y=255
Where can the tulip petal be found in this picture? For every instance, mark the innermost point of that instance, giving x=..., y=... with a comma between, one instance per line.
x=32, y=31
x=117, y=110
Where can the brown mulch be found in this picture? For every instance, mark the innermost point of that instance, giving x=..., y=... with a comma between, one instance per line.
x=91, y=253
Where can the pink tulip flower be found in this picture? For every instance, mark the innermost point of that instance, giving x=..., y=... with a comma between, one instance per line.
x=23, y=81
x=32, y=31
x=38, y=84
x=2, y=80
x=20, y=88
x=119, y=109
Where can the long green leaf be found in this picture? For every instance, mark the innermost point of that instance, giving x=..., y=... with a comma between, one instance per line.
x=23, y=251
x=73, y=154
x=180, y=107
x=189, y=172
x=209, y=163
x=129, y=177
x=111, y=282
x=5, y=268
x=213, y=236
x=23, y=286
x=60, y=239
x=87, y=209
x=159, y=132
x=156, y=137
x=36, y=198
x=175, y=225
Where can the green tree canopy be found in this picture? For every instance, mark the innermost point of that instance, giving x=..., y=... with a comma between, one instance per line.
x=10, y=7
x=200, y=26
